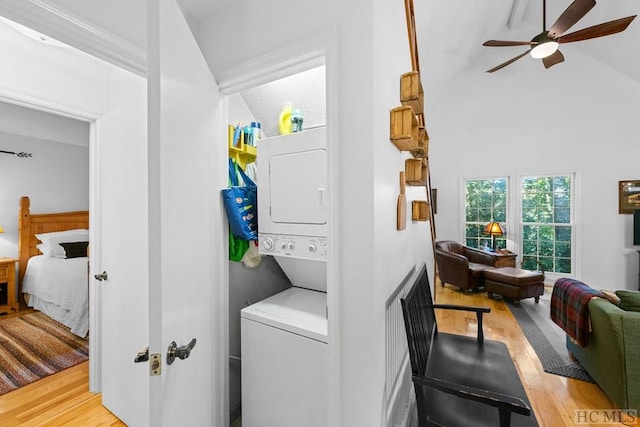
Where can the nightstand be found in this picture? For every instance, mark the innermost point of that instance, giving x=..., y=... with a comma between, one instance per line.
x=8, y=303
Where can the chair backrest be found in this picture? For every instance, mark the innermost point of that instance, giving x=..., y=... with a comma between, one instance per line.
x=419, y=321
x=450, y=246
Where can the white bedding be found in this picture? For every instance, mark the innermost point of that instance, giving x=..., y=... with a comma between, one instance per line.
x=59, y=288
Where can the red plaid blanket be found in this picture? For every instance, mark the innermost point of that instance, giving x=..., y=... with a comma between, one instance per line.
x=569, y=301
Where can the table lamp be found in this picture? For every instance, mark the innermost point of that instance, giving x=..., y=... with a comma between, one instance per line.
x=493, y=229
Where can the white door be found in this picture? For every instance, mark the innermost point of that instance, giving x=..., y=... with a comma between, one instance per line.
x=187, y=256
x=121, y=229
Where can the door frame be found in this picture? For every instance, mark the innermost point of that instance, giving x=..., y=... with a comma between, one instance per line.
x=86, y=37
x=306, y=53
x=95, y=316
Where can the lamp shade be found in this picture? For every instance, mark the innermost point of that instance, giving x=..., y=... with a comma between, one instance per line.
x=493, y=229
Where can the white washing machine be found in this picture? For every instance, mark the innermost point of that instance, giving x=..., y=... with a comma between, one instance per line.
x=284, y=360
x=284, y=338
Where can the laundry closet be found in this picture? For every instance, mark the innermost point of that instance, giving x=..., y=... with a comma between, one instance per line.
x=278, y=317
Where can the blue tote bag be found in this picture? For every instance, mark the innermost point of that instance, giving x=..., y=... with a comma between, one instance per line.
x=241, y=204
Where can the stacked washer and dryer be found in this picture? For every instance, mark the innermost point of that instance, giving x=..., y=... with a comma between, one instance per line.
x=284, y=337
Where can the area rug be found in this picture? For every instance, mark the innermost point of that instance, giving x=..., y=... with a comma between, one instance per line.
x=33, y=346
x=547, y=338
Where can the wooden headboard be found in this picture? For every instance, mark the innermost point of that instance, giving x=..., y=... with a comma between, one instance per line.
x=31, y=224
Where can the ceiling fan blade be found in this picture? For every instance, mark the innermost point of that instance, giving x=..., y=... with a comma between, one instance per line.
x=501, y=43
x=504, y=64
x=600, y=30
x=570, y=16
x=553, y=59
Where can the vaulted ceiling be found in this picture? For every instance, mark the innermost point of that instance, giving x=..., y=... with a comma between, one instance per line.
x=450, y=34
x=450, y=38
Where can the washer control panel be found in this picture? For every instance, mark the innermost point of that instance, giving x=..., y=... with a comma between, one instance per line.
x=308, y=247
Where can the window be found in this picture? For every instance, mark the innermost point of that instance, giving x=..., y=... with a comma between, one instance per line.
x=547, y=223
x=485, y=201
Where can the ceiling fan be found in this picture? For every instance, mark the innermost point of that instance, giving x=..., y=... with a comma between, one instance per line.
x=545, y=45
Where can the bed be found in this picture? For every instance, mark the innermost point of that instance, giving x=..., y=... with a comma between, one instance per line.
x=55, y=282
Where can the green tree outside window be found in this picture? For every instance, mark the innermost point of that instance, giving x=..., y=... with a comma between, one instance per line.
x=485, y=200
x=546, y=224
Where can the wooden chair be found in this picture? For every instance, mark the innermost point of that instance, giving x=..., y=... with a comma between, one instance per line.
x=460, y=380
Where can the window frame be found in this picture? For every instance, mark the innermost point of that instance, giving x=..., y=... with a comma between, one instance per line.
x=508, y=205
x=550, y=275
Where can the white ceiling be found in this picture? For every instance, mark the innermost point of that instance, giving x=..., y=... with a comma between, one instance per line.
x=450, y=37
x=450, y=33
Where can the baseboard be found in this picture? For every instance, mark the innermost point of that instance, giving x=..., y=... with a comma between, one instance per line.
x=401, y=406
x=411, y=414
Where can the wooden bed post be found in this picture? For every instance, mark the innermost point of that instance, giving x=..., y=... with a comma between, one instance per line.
x=24, y=227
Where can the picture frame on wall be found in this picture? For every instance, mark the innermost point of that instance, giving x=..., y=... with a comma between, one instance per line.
x=628, y=196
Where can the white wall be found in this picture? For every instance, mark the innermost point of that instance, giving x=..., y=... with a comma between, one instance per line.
x=24, y=121
x=578, y=117
x=305, y=91
x=51, y=75
x=56, y=179
x=374, y=257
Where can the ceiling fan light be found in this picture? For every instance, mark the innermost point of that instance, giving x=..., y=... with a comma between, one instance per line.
x=544, y=49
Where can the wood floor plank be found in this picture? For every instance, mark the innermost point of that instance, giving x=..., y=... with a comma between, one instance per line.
x=555, y=399
x=63, y=399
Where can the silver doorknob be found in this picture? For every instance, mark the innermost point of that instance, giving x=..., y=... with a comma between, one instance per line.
x=181, y=352
x=102, y=276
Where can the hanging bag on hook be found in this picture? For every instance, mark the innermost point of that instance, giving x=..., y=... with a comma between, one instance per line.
x=241, y=204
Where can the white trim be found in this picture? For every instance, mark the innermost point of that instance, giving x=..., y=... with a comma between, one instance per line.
x=550, y=277
x=329, y=41
x=95, y=323
x=95, y=260
x=37, y=102
x=292, y=59
x=303, y=55
x=62, y=25
x=509, y=232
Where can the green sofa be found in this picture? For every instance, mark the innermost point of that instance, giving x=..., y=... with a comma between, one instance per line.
x=612, y=355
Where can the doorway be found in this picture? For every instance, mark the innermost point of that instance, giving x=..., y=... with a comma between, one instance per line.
x=308, y=83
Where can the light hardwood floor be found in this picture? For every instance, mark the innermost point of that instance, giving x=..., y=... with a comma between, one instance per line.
x=64, y=400
x=554, y=398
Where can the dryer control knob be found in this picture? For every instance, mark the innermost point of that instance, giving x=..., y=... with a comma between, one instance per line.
x=312, y=248
x=268, y=244
x=283, y=245
x=292, y=246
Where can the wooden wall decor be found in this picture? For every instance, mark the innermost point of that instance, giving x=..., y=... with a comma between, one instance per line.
x=402, y=205
x=411, y=92
x=423, y=143
x=420, y=210
x=404, y=129
x=411, y=30
x=416, y=172
x=408, y=132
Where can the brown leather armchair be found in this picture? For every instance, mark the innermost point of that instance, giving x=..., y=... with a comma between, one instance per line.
x=461, y=265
